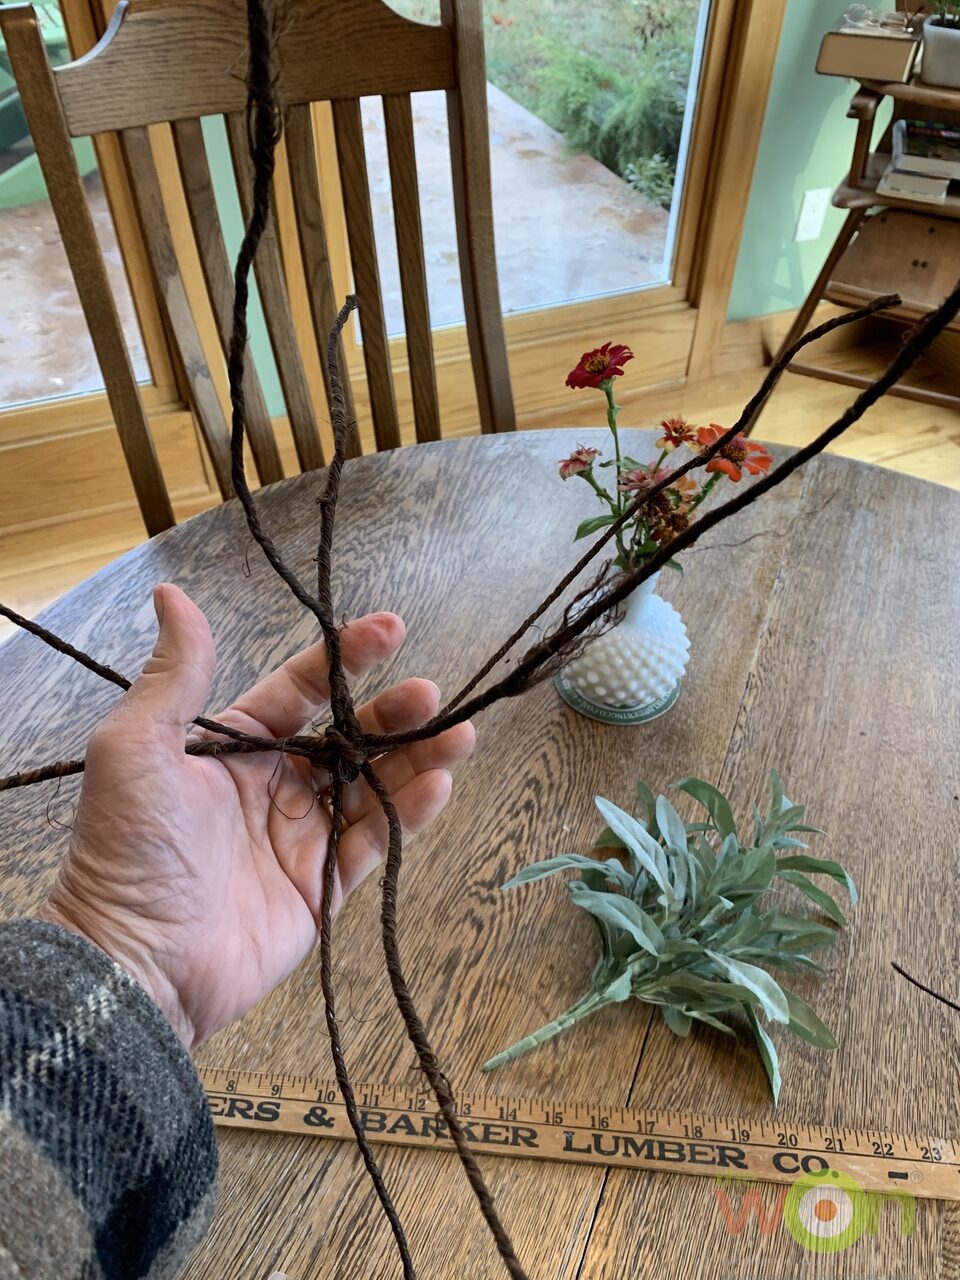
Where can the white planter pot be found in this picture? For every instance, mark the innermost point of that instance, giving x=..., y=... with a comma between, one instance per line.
x=632, y=672
x=941, y=55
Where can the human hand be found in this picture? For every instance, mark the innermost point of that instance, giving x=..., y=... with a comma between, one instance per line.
x=202, y=875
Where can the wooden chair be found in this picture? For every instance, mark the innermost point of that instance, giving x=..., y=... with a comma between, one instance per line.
x=175, y=61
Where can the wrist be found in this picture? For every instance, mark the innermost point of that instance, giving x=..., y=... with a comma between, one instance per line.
x=133, y=957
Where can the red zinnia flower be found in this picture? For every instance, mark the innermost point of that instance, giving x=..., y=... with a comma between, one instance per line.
x=676, y=431
x=580, y=460
x=737, y=456
x=597, y=367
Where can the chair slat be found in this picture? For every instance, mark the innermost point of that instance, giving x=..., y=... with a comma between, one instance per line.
x=156, y=232
x=217, y=273
x=268, y=266
x=48, y=128
x=302, y=160
x=165, y=60
x=473, y=203
x=351, y=159
x=401, y=153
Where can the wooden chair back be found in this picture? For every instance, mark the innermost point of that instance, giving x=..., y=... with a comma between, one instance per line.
x=177, y=61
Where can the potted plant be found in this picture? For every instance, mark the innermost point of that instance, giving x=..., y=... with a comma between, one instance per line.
x=691, y=918
x=632, y=672
x=941, y=46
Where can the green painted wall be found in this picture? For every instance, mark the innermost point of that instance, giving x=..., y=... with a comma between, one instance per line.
x=806, y=142
x=231, y=219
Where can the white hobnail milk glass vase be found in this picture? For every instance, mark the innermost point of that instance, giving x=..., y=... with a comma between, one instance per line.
x=631, y=673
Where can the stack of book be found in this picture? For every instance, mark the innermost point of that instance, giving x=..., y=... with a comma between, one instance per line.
x=926, y=159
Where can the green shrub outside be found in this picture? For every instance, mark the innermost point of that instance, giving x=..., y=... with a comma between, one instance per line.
x=612, y=78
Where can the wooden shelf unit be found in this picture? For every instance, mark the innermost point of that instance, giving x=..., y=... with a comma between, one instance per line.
x=874, y=255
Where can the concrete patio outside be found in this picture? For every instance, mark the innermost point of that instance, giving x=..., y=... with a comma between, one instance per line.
x=566, y=228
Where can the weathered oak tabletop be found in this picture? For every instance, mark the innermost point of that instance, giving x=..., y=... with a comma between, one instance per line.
x=825, y=629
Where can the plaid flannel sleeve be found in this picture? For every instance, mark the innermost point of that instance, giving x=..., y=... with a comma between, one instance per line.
x=108, y=1162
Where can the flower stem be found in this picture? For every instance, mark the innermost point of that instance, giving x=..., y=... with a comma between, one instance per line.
x=599, y=490
x=705, y=490
x=588, y=1004
x=612, y=410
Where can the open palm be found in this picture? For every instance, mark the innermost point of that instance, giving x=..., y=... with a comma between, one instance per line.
x=203, y=875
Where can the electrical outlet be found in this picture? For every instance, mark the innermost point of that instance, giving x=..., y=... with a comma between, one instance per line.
x=812, y=213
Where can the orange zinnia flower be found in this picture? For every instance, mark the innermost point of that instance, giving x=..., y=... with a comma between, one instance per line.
x=686, y=490
x=737, y=456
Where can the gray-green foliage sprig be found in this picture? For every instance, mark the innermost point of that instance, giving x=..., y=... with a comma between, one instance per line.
x=688, y=917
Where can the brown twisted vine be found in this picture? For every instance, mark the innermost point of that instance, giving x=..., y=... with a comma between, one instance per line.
x=343, y=750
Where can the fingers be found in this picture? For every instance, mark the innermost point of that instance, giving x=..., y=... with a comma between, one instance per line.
x=363, y=845
x=176, y=678
x=284, y=701
x=405, y=706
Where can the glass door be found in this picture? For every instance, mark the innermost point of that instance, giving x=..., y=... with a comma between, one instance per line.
x=590, y=109
x=45, y=348
x=623, y=137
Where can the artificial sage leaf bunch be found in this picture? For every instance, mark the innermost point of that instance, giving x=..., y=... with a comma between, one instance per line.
x=689, y=920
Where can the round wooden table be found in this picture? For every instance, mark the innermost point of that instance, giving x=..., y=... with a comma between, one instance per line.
x=824, y=629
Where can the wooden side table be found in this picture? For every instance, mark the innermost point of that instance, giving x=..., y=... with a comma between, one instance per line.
x=886, y=244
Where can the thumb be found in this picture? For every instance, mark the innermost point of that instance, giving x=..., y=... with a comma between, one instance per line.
x=176, y=679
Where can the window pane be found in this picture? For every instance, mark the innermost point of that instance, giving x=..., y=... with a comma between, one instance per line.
x=45, y=348
x=590, y=111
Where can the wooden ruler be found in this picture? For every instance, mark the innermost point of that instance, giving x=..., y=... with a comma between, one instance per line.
x=590, y=1133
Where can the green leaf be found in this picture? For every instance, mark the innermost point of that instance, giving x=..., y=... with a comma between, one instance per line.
x=719, y=909
x=711, y=1021
x=805, y=1023
x=681, y=875
x=820, y=866
x=620, y=988
x=697, y=993
x=806, y=935
x=751, y=873
x=586, y=527
x=823, y=900
x=649, y=802
x=746, y=930
x=639, y=841
x=714, y=801
x=621, y=913
x=767, y=990
x=678, y=1021
x=671, y=825
x=777, y=801
x=613, y=870
x=676, y=565
x=768, y=1053
x=608, y=839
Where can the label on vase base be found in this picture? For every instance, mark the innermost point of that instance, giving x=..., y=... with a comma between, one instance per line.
x=614, y=715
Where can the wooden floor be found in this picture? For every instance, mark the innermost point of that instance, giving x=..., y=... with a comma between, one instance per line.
x=916, y=438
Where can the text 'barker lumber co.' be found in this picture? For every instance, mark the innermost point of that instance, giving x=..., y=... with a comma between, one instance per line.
x=488, y=1134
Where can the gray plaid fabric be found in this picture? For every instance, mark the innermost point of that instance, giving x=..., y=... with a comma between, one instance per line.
x=108, y=1162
